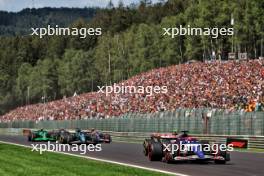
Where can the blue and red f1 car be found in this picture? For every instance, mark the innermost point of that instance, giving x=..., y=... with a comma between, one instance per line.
x=168, y=147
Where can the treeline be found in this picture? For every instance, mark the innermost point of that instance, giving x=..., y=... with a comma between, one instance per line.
x=20, y=23
x=132, y=42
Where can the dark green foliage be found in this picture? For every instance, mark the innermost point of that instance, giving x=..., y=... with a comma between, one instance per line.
x=132, y=42
x=76, y=72
x=21, y=22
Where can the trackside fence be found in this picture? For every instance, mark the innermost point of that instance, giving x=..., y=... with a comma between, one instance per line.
x=197, y=121
x=253, y=142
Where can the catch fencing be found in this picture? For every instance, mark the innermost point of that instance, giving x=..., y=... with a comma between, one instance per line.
x=197, y=121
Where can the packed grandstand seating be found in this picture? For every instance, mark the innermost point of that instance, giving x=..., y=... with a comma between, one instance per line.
x=233, y=85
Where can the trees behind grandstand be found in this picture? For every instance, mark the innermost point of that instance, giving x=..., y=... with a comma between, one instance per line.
x=132, y=42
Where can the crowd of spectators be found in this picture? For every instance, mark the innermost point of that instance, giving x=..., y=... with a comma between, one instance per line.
x=233, y=85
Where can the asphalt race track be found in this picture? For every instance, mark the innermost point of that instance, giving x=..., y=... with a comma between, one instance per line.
x=241, y=164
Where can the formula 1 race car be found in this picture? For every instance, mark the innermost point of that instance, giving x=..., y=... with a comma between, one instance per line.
x=171, y=147
x=83, y=137
x=40, y=135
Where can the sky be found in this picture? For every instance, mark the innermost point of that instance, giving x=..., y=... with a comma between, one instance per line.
x=17, y=5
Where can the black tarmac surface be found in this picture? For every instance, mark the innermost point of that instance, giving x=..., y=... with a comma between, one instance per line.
x=241, y=164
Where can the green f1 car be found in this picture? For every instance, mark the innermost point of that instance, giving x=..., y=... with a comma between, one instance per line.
x=41, y=135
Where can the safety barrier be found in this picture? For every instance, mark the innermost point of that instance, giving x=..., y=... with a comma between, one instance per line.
x=197, y=121
x=254, y=142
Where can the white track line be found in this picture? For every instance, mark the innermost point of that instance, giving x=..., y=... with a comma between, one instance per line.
x=103, y=160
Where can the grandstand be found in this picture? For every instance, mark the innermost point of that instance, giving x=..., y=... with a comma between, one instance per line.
x=233, y=85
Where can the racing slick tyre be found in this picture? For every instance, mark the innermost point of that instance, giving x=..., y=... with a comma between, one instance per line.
x=107, y=136
x=223, y=154
x=155, y=151
x=31, y=137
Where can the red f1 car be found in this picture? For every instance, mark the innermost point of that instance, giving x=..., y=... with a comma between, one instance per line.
x=170, y=147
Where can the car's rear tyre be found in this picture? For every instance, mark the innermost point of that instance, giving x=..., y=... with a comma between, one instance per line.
x=224, y=155
x=155, y=151
x=108, y=137
x=29, y=138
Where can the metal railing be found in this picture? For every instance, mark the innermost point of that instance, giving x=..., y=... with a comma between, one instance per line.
x=254, y=142
x=197, y=121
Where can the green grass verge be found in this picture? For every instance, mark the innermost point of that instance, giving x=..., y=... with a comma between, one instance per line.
x=20, y=161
